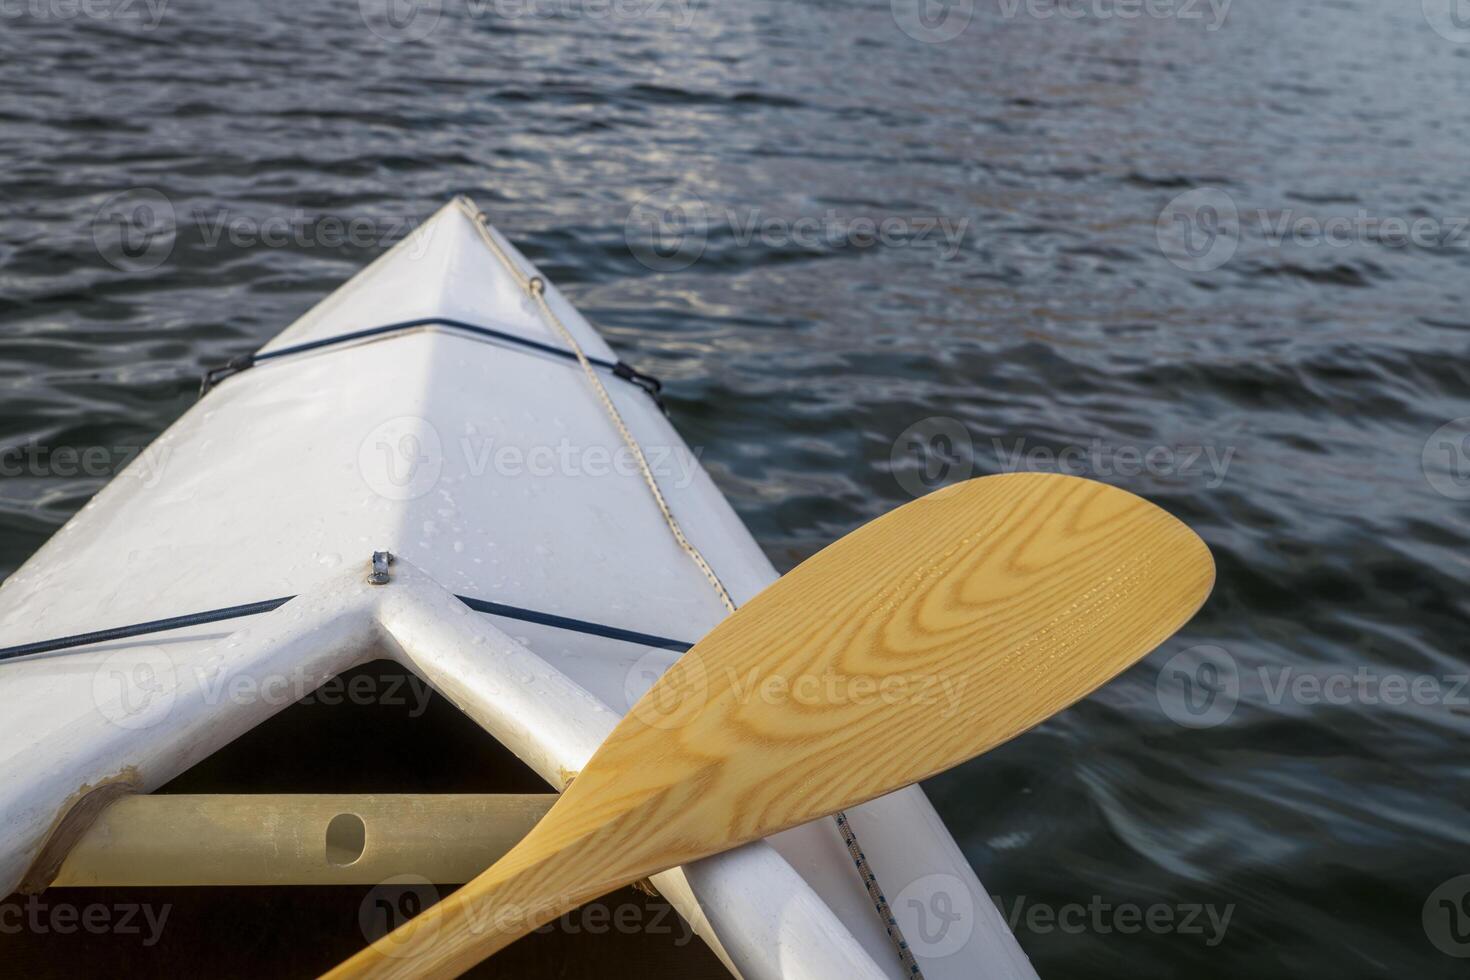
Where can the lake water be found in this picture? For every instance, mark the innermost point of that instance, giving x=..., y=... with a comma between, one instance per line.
x=1216, y=253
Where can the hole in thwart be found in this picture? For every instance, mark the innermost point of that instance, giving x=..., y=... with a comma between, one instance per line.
x=346, y=839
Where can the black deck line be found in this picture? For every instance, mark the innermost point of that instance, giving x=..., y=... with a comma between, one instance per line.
x=267, y=605
x=490, y=332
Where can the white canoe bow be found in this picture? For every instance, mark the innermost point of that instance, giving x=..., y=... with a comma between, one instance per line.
x=432, y=409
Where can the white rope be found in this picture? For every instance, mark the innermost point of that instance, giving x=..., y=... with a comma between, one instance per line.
x=535, y=286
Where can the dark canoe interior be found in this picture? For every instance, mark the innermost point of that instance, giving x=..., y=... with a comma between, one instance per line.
x=403, y=743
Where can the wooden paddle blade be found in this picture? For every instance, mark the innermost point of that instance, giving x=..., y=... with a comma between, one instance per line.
x=913, y=644
x=917, y=642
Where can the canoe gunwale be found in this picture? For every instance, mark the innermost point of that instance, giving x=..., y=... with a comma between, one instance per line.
x=187, y=721
x=549, y=721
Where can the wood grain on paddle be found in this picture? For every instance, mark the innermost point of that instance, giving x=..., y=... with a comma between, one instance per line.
x=913, y=644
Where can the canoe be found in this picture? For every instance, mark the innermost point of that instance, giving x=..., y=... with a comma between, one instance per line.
x=441, y=464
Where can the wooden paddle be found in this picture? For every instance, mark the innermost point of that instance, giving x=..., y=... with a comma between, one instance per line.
x=918, y=641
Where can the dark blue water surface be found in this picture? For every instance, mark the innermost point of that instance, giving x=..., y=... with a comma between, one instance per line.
x=1220, y=257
